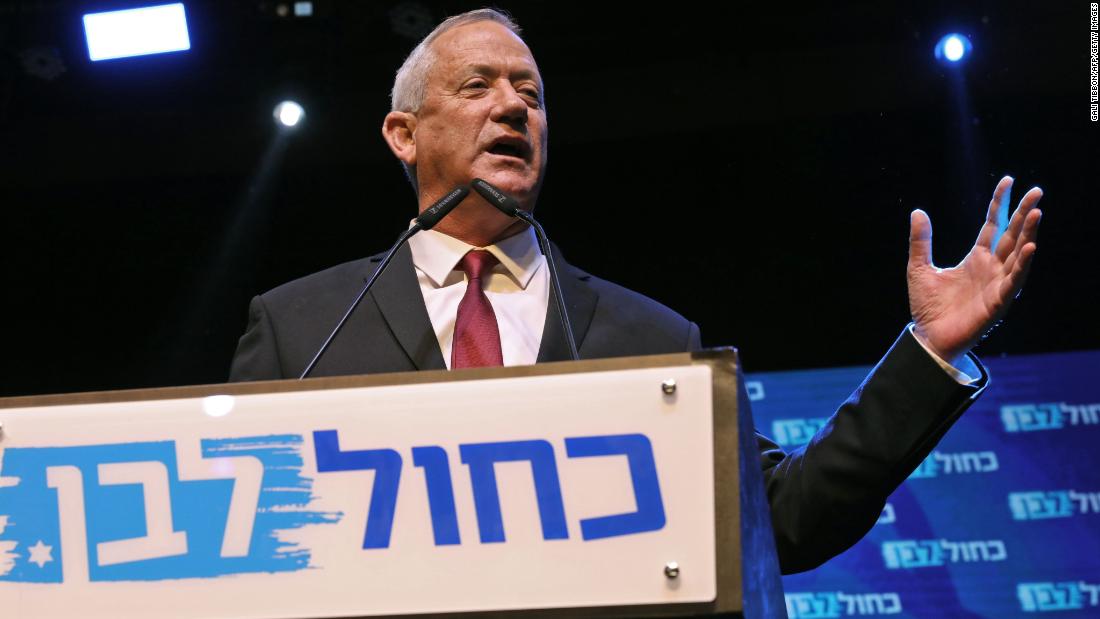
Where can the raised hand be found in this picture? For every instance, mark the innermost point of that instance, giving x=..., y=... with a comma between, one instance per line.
x=953, y=307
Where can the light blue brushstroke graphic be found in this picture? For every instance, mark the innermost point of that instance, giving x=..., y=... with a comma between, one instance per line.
x=115, y=512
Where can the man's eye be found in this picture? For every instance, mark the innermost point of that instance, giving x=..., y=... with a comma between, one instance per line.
x=532, y=95
x=477, y=84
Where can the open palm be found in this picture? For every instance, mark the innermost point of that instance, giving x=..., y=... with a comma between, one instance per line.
x=953, y=307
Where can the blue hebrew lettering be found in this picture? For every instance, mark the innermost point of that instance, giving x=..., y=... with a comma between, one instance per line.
x=386, y=464
x=1081, y=414
x=1040, y=505
x=1048, y=596
x=912, y=553
x=1031, y=417
x=812, y=605
x=441, y=494
x=755, y=389
x=117, y=483
x=927, y=468
x=1011, y=416
x=887, y=516
x=481, y=457
x=795, y=432
x=650, y=513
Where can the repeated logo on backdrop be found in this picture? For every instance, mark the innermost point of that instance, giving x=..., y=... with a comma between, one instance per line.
x=1002, y=519
x=1053, y=596
x=833, y=604
x=1036, y=417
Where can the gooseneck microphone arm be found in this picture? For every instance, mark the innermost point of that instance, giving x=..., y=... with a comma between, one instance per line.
x=509, y=206
x=559, y=300
x=426, y=221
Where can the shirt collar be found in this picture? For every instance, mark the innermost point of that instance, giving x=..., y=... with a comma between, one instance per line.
x=437, y=255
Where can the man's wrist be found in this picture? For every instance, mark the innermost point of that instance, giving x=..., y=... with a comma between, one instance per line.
x=960, y=367
x=953, y=357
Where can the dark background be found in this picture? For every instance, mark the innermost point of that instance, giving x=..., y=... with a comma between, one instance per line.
x=761, y=164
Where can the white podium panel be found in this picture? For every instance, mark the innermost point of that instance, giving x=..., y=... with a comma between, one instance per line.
x=549, y=491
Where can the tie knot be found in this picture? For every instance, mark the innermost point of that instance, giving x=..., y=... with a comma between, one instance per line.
x=476, y=263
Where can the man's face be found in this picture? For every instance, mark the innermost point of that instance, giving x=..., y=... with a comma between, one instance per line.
x=483, y=114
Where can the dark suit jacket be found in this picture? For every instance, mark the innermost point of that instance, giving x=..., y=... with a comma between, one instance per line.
x=824, y=497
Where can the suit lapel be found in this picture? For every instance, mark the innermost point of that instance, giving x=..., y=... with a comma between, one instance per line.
x=397, y=295
x=580, y=303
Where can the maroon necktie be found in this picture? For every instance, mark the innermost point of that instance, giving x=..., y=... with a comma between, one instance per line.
x=477, y=338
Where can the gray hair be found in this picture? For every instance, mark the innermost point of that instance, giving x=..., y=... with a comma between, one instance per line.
x=411, y=82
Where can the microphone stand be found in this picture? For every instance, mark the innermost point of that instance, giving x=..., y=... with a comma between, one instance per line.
x=426, y=221
x=509, y=206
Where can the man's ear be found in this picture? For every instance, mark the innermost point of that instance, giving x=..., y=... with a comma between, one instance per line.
x=398, y=129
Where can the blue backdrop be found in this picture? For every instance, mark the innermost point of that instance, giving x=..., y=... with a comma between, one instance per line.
x=1001, y=520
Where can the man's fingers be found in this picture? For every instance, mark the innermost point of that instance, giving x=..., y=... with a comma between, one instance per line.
x=996, y=217
x=1031, y=228
x=920, y=238
x=1028, y=236
x=1023, y=263
x=1011, y=238
x=1027, y=203
x=1012, y=284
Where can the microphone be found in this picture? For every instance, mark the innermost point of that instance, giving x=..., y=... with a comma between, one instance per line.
x=426, y=221
x=434, y=213
x=509, y=206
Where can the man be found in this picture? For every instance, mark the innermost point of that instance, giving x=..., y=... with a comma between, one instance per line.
x=468, y=103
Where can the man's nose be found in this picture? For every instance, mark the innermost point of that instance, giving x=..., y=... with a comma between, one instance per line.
x=510, y=108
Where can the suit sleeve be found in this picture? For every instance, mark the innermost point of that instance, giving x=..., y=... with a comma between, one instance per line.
x=257, y=356
x=826, y=495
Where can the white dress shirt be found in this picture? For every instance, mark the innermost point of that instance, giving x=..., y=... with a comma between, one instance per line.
x=519, y=291
x=969, y=372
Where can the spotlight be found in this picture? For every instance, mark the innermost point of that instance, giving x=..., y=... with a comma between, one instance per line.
x=136, y=32
x=411, y=19
x=289, y=114
x=43, y=62
x=953, y=48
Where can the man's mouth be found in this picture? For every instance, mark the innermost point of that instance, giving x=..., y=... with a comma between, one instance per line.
x=506, y=149
x=510, y=147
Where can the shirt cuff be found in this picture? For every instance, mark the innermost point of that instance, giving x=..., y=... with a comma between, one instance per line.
x=967, y=375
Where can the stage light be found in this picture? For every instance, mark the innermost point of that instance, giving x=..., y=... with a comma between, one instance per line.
x=136, y=32
x=43, y=62
x=953, y=48
x=289, y=114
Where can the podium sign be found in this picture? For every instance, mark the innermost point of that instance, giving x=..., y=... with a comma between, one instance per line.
x=456, y=492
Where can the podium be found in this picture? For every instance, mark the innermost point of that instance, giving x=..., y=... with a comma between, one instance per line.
x=626, y=487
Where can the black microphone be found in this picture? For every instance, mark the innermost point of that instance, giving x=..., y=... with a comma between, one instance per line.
x=426, y=221
x=510, y=206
